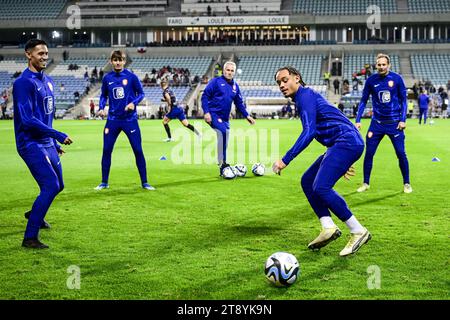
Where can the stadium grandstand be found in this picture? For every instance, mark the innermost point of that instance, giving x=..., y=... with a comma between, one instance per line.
x=187, y=41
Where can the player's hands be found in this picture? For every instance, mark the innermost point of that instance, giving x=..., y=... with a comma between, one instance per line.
x=207, y=117
x=60, y=152
x=130, y=107
x=67, y=141
x=358, y=125
x=101, y=112
x=350, y=173
x=251, y=120
x=401, y=125
x=278, y=166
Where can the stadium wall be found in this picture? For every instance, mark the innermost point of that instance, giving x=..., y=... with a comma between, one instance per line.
x=303, y=19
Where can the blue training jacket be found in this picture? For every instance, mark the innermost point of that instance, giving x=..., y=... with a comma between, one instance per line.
x=34, y=108
x=424, y=100
x=321, y=121
x=218, y=96
x=121, y=88
x=388, y=98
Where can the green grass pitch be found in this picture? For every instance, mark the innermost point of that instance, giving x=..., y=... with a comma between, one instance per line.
x=201, y=237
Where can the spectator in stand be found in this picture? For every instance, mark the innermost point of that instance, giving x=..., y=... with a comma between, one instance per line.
x=146, y=80
x=341, y=106
x=92, y=108
x=336, y=84
x=345, y=87
x=3, y=105
x=355, y=110
x=76, y=95
x=94, y=73
x=444, y=98
x=367, y=68
x=326, y=78
x=410, y=108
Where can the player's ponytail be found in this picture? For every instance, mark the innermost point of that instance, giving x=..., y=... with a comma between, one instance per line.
x=293, y=71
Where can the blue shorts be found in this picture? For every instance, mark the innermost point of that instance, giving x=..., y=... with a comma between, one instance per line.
x=379, y=129
x=176, y=113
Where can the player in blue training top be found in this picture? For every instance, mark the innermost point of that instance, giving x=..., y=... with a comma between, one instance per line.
x=217, y=98
x=389, y=118
x=175, y=112
x=36, y=140
x=124, y=91
x=423, y=100
x=326, y=124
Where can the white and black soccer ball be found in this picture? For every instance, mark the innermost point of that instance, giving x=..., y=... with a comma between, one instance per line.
x=240, y=170
x=228, y=173
x=258, y=169
x=282, y=269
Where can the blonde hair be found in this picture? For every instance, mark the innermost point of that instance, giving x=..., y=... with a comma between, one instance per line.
x=383, y=55
x=230, y=62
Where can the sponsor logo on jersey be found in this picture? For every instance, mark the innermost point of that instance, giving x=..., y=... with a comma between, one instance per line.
x=385, y=96
x=118, y=93
x=48, y=104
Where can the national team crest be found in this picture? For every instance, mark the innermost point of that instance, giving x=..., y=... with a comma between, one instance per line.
x=125, y=82
x=391, y=83
x=50, y=86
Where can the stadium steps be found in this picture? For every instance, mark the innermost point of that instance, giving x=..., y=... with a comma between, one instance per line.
x=82, y=108
x=331, y=96
x=406, y=71
x=50, y=67
x=324, y=67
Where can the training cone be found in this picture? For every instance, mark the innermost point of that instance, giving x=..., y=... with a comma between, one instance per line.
x=163, y=158
x=435, y=159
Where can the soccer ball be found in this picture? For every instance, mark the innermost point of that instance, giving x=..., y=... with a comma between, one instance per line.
x=239, y=71
x=258, y=169
x=240, y=170
x=228, y=173
x=282, y=269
